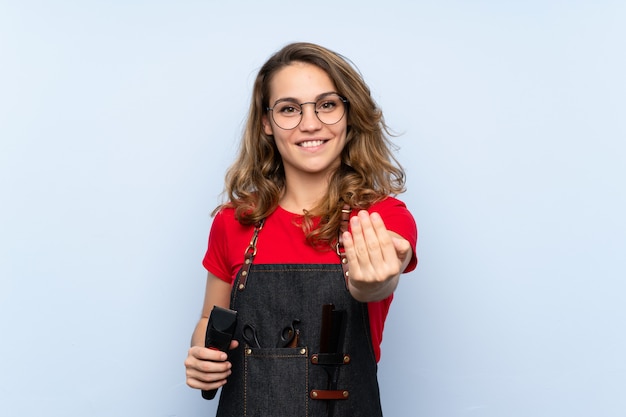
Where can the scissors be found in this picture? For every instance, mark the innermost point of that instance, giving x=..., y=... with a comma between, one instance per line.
x=289, y=335
x=250, y=336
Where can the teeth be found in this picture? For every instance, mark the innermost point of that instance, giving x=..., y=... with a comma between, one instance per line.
x=311, y=143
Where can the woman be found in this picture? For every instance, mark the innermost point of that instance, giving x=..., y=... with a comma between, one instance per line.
x=311, y=207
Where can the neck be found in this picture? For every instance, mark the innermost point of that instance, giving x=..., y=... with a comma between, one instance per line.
x=303, y=193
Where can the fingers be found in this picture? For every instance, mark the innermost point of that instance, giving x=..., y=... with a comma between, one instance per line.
x=206, y=369
x=370, y=248
x=379, y=242
x=205, y=354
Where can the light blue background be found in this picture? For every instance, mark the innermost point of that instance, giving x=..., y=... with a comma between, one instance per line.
x=119, y=118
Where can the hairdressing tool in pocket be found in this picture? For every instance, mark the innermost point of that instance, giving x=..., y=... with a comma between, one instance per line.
x=219, y=333
x=289, y=335
x=331, y=356
x=250, y=335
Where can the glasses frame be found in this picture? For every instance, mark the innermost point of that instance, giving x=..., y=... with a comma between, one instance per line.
x=343, y=99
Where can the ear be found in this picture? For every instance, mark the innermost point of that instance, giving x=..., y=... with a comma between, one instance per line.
x=267, y=126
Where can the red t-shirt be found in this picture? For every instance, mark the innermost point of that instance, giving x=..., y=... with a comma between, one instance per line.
x=281, y=241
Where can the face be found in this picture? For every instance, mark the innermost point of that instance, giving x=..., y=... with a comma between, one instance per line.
x=312, y=148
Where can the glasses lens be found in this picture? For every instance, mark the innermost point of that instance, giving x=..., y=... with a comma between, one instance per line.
x=287, y=114
x=330, y=109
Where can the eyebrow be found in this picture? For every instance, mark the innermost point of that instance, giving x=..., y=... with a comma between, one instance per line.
x=295, y=100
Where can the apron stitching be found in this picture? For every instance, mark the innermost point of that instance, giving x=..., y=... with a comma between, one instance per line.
x=245, y=388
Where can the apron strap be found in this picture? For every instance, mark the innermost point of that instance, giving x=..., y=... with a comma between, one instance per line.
x=249, y=256
x=326, y=394
x=343, y=227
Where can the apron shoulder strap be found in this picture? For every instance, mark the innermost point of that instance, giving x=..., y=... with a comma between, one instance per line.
x=343, y=227
x=249, y=256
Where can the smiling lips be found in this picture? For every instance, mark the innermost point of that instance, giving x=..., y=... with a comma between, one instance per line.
x=311, y=143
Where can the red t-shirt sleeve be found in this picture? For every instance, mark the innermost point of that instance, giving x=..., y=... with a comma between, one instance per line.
x=216, y=259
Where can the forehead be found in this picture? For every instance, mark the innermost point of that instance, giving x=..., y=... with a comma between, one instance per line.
x=300, y=81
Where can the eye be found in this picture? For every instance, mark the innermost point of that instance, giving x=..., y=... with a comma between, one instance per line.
x=327, y=105
x=288, y=109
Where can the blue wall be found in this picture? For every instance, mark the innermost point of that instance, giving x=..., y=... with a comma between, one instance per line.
x=118, y=120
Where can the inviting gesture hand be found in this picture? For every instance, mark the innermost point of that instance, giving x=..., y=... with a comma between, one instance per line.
x=376, y=257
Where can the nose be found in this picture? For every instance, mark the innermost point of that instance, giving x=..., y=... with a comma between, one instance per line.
x=309, y=121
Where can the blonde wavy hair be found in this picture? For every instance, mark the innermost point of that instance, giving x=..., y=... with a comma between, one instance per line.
x=368, y=173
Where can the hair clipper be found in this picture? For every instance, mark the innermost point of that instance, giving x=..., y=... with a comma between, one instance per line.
x=219, y=333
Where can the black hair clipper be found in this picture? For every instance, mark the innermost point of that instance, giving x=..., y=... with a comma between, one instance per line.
x=219, y=333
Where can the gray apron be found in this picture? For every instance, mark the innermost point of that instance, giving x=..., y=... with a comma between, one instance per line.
x=270, y=380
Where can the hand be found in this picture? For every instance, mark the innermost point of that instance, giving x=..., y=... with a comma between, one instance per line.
x=376, y=257
x=207, y=369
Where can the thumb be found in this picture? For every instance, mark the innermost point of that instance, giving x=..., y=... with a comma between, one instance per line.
x=402, y=247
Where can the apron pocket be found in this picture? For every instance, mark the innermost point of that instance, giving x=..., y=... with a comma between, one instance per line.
x=276, y=382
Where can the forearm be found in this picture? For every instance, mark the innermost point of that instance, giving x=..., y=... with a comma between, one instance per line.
x=197, y=338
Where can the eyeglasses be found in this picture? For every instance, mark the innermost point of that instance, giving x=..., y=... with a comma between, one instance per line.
x=330, y=109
